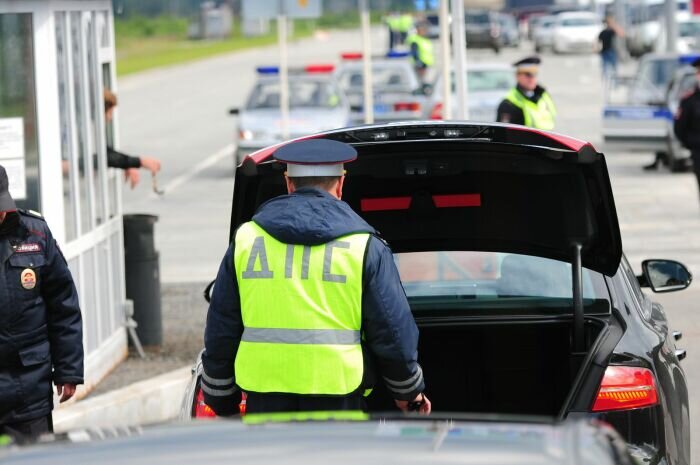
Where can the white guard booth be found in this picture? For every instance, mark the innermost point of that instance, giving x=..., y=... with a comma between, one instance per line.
x=56, y=59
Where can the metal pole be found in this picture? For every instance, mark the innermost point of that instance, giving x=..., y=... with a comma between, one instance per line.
x=577, y=294
x=459, y=42
x=446, y=62
x=367, y=63
x=284, y=71
x=671, y=26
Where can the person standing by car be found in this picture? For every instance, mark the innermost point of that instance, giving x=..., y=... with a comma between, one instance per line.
x=528, y=103
x=687, y=122
x=608, y=52
x=308, y=300
x=422, y=53
x=40, y=323
x=128, y=163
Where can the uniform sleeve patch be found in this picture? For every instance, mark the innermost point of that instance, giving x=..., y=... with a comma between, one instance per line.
x=28, y=248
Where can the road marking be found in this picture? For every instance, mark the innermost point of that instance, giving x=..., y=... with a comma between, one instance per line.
x=198, y=168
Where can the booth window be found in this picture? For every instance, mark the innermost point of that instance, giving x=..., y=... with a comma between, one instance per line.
x=19, y=147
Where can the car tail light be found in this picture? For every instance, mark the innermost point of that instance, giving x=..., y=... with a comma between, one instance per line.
x=625, y=388
x=437, y=111
x=407, y=106
x=202, y=410
x=351, y=56
x=319, y=69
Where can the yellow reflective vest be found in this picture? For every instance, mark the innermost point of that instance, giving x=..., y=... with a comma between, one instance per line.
x=301, y=308
x=425, y=48
x=538, y=115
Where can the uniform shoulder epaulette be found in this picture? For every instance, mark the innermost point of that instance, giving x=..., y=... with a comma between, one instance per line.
x=377, y=235
x=32, y=213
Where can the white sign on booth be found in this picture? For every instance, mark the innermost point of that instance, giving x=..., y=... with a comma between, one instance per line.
x=12, y=155
x=269, y=9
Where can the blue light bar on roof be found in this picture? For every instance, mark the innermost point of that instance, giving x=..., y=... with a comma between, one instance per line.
x=268, y=70
x=395, y=54
x=688, y=59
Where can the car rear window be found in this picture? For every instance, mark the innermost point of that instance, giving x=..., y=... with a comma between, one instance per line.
x=476, y=278
x=394, y=78
x=573, y=22
x=689, y=29
x=302, y=94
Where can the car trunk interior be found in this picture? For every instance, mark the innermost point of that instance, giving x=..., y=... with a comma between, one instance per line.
x=509, y=367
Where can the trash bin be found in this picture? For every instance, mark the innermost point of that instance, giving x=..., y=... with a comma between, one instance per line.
x=143, y=277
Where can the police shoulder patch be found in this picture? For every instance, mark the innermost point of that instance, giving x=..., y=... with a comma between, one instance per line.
x=32, y=213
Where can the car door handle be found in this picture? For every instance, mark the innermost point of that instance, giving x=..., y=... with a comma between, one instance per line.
x=677, y=335
x=681, y=354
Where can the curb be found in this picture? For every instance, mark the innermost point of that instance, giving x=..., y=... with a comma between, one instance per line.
x=153, y=400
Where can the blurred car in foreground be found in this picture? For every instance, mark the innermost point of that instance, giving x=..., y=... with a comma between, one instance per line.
x=543, y=35
x=487, y=85
x=316, y=103
x=483, y=29
x=508, y=246
x=397, y=91
x=439, y=440
x=638, y=114
x=576, y=32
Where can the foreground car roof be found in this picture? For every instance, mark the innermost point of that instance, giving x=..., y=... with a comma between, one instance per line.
x=466, y=186
x=360, y=443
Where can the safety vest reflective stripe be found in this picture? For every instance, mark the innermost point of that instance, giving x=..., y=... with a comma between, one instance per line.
x=425, y=48
x=538, y=115
x=301, y=308
x=301, y=336
x=409, y=385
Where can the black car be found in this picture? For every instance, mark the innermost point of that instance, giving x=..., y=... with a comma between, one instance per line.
x=483, y=29
x=509, y=250
x=341, y=440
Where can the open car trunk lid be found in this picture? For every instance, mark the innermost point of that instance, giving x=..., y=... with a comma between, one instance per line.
x=488, y=187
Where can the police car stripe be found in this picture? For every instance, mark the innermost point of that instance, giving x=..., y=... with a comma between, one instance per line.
x=217, y=381
x=409, y=385
x=302, y=336
x=217, y=392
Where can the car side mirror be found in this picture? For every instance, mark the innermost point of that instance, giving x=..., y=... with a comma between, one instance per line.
x=234, y=111
x=209, y=290
x=665, y=275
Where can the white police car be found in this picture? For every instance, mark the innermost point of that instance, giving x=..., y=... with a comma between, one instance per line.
x=316, y=103
x=398, y=93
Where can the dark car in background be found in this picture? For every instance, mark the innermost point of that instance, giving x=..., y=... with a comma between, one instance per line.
x=483, y=29
x=508, y=246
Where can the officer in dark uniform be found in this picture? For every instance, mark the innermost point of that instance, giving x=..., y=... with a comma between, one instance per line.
x=306, y=296
x=528, y=103
x=41, y=337
x=687, y=122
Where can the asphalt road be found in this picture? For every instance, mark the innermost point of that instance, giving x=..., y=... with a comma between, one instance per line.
x=180, y=116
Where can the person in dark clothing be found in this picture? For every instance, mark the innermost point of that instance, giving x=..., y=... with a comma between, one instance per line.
x=608, y=53
x=686, y=125
x=528, y=103
x=308, y=302
x=128, y=163
x=41, y=337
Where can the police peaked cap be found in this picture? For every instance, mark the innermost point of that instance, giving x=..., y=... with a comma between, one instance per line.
x=315, y=157
x=528, y=63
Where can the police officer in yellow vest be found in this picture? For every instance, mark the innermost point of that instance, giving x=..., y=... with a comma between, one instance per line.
x=527, y=103
x=422, y=53
x=308, y=300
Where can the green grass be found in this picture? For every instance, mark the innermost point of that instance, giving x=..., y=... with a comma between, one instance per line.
x=144, y=44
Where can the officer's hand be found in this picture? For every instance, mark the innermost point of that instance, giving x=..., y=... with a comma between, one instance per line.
x=132, y=176
x=68, y=391
x=425, y=406
x=151, y=164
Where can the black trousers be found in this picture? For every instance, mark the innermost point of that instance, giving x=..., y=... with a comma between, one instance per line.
x=27, y=431
x=271, y=403
x=695, y=156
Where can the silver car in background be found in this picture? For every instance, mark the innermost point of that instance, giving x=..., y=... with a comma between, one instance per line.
x=487, y=85
x=542, y=35
x=397, y=91
x=316, y=103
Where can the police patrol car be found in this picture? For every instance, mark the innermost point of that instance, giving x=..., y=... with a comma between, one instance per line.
x=398, y=93
x=316, y=103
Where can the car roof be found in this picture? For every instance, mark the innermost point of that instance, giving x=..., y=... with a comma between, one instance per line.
x=343, y=443
x=515, y=189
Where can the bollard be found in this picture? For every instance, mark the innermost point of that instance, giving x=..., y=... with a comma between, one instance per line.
x=143, y=277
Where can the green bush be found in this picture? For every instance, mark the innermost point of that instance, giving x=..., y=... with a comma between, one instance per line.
x=162, y=26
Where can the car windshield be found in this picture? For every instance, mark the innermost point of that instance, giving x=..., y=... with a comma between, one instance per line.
x=488, y=80
x=492, y=277
x=383, y=78
x=575, y=22
x=302, y=94
x=658, y=72
x=689, y=29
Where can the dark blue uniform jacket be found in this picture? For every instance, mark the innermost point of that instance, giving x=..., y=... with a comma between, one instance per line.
x=41, y=337
x=313, y=217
